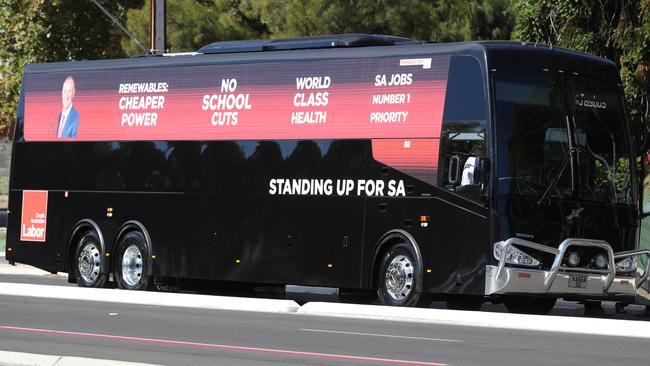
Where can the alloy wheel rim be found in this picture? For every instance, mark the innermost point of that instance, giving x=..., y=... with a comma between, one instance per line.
x=399, y=277
x=89, y=262
x=132, y=265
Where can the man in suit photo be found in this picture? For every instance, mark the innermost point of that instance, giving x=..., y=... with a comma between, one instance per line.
x=69, y=117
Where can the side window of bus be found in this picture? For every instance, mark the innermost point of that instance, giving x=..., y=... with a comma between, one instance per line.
x=463, y=136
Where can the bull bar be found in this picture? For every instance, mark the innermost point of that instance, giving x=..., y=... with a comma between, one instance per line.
x=600, y=283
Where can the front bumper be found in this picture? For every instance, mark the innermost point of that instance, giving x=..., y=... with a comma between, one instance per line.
x=559, y=280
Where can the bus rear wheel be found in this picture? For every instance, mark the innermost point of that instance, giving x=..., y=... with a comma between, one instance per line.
x=398, y=276
x=89, y=261
x=132, y=266
x=529, y=305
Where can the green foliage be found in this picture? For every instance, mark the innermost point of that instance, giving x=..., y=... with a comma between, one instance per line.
x=418, y=19
x=78, y=30
x=195, y=23
x=21, y=30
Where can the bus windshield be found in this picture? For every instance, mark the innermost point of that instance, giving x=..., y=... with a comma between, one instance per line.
x=561, y=137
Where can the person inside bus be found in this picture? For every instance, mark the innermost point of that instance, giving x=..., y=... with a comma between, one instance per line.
x=469, y=169
x=68, y=117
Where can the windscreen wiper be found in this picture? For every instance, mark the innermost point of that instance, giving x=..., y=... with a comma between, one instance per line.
x=557, y=176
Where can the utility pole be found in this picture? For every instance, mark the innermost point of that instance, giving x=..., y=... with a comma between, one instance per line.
x=158, y=29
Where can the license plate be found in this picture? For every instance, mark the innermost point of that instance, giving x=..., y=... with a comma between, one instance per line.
x=578, y=281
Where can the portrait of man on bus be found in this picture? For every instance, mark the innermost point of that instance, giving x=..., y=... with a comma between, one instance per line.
x=68, y=120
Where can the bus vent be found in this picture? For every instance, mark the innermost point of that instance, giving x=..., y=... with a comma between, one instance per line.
x=341, y=40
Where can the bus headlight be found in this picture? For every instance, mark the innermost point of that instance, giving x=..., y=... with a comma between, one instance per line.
x=514, y=256
x=573, y=258
x=601, y=261
x=627, y=264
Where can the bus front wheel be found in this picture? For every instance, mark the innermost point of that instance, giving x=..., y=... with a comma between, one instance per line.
x=89, y=261
x=398, y=276
x=131, y=267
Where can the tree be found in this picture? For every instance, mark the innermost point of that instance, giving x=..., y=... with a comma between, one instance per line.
x=21, y=27
x=53, y=30
x=192, y=24
x=618, y=30
x=443, y=20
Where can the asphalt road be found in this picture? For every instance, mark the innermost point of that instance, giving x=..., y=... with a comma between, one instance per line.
x=173, y=336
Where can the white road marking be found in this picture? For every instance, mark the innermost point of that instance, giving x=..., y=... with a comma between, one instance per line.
x=382, y=335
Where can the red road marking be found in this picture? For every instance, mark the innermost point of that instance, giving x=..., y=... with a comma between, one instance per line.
x=222, y=347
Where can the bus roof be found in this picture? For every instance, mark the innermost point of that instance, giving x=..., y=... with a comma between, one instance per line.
x=331, y=47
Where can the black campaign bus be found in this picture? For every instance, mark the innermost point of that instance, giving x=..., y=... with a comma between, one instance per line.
x=478, y=171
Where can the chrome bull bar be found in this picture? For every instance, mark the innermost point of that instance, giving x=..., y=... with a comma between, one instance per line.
x=496, y=282
x=637, y=253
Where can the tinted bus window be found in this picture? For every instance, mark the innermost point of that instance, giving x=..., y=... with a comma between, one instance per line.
x=603, y=157
x=532, y=138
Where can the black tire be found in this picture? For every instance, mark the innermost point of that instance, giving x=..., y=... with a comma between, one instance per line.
x=88, y=261
x=529, y=305
x=398, y=286
x=469, y=303
x=131, y=268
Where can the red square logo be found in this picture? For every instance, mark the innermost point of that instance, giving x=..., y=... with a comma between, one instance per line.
x=34, y=216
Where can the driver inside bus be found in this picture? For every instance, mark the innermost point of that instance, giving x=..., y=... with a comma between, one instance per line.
x=469, y=169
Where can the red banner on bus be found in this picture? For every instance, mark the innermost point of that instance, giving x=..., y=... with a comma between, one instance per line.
x=368, y=98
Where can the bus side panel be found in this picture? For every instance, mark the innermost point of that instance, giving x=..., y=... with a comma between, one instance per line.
x=460, y=229
x=291, y=239
x=314, y=241
x=451, y=243
x=182, y=238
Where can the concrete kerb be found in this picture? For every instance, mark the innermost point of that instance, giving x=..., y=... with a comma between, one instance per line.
x=32, y=359
x=150, y=298
x=542, y=323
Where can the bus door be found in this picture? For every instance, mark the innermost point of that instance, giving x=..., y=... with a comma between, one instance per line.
x=464, y=175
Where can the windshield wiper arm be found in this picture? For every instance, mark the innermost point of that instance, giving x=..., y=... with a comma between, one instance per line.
x=557, y=176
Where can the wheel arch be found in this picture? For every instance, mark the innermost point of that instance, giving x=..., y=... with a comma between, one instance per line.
x=390, y=238
x=79, y=228
x=134, y=225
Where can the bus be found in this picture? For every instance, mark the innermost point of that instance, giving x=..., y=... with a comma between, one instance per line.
x=476, y=171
